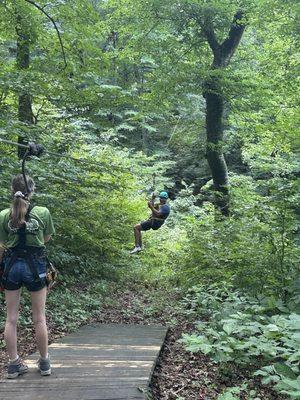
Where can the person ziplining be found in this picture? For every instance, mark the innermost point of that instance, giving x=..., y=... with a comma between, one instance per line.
x=160, y=213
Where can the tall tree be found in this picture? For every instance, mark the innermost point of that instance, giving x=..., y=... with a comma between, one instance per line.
x=222, y=54
x=25, y=114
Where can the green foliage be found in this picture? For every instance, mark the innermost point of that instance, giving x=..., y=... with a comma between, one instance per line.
x=255, y=247
x=130, y=103
x=233, y=393
x=70, y=304
x=247, y=332
x=290, y=387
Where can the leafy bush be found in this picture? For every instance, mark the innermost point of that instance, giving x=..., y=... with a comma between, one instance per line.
x=255, y=248
x=250, y=333
x=68, y=305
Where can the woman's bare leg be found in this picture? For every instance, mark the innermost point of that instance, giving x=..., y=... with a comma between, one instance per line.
x=38, y=302
x=12, y=298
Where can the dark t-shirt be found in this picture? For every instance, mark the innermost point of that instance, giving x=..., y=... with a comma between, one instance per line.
x=164, y=210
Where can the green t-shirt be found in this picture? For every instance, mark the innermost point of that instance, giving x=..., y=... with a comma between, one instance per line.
x=39, y=224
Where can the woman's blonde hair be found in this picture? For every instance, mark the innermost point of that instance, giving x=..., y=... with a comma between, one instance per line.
x=20, y=201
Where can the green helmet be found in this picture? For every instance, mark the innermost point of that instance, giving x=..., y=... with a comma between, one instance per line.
x=163, y=195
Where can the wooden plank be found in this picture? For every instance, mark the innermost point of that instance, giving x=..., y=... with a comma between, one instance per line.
x=76, y=381
x=43, y=393
x=98, y=362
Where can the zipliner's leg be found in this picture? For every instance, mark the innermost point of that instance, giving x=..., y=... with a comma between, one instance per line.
x=138, y=235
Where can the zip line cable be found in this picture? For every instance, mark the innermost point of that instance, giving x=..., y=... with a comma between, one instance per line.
x=80, y=184
x=61, y=179
x=52, y=153
x=82, y=169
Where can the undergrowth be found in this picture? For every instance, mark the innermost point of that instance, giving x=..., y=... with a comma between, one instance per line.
x=261, y=336
x=70, y=304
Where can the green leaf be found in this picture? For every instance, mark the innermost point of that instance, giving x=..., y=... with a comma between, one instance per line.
x=289, y=387
x=229, y=327
x=205, y=348
x=272, y=328
x=227, y=396
x=284, y=370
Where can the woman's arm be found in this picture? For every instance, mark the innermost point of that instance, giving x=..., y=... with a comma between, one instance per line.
x=47, y=238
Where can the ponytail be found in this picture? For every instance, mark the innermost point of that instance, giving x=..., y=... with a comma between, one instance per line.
x=18, y=211
x=20, y=203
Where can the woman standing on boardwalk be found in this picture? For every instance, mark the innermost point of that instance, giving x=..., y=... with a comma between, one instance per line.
x=24, y=231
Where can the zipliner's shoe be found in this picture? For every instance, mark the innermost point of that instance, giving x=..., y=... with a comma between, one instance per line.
x=16, y=368
x=44, y=366
x=137, y=249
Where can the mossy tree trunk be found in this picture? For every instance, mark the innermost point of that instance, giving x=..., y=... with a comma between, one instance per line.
x=215, y=105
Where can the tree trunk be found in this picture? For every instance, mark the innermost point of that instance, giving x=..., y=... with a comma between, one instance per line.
x=25, y=114
x=215, y=106
x=214, y=146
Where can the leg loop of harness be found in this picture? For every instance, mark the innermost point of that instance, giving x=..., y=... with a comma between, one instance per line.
x=9, y=267
x=25, y=255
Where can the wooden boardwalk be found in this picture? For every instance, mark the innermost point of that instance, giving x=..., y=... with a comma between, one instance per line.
x=98, y=362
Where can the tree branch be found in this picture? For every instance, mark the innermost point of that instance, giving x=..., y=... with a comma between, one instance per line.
x=55, y=26
x=35, y=116
x=230, y=44
x=210, y=35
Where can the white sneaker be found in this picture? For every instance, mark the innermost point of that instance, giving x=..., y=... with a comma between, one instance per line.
x=136, y=250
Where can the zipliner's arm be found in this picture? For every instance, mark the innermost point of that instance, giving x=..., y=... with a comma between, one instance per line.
x=155, y=212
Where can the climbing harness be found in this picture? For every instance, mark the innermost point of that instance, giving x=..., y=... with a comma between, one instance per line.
x=22, y=250
x=51, y=274
x=27, y=253
x=1, y=275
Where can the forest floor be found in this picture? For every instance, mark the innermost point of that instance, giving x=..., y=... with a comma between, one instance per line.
x=179, y=375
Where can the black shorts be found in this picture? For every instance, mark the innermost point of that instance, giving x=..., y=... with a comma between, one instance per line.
x=152, y=224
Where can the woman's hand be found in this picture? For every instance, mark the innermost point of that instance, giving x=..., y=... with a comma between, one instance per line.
x=2, y=249
x=47, y=238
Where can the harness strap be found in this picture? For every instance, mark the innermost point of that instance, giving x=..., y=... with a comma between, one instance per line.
x=9, y=267
x=22, y=230
x=32, y=267
x=22, y=251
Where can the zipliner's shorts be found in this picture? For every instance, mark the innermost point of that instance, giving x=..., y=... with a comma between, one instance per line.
x=152, y=224
x=20, y=274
